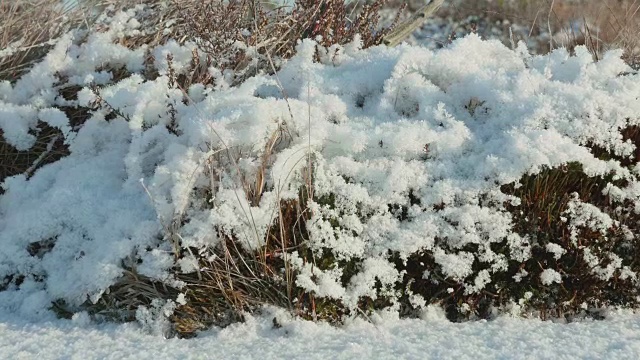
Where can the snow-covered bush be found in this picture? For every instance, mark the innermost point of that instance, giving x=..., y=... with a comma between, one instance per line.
x=475, y=177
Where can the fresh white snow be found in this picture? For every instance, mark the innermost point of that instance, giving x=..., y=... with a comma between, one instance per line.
x=618, y=337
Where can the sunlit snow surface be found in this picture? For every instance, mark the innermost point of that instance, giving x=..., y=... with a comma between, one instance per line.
x=615, y=338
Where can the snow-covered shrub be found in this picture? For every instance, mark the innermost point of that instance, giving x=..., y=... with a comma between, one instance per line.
x=199, y=43
x=29, y=29
x=475, y=177
x=242, y=42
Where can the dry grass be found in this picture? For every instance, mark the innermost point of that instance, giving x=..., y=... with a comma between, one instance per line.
x=48, y=148
x=271, y=34
x=598, y=24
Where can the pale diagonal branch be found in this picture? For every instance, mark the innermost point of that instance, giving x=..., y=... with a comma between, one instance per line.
x=403, y=30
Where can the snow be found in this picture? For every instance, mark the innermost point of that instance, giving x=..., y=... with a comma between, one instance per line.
x=381, y=126
x=556, y=250
x=550, y=276
x=430, y=338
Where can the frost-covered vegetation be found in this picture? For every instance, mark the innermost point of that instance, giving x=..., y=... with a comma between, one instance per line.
x=183, y=180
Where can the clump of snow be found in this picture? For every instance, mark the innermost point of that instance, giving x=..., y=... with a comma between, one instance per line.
x=556, y=250
x=550, y=276
x=155, y=319
x=584, y=215
x=15, y=122
x=82, y=319
x=407, y=148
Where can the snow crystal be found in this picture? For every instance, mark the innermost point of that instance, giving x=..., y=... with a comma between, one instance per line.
x=550, y=276
x=15, y=123
x=181, y=299
x=556, y=250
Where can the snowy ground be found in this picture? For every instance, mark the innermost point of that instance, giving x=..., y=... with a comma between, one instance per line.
x=618, y=337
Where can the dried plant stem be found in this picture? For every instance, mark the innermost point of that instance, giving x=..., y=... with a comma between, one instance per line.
x=405, y=29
